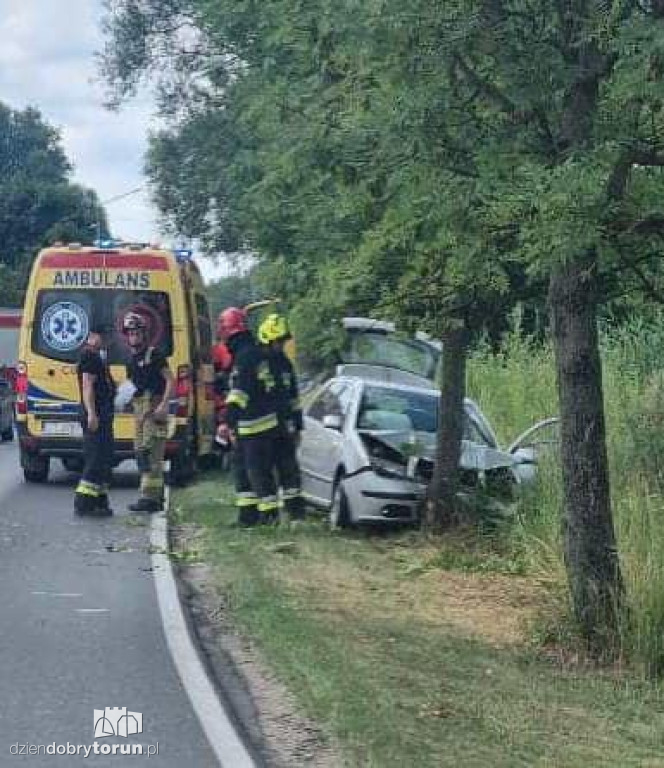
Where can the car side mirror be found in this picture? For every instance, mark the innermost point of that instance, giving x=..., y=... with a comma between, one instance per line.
x=332, y=421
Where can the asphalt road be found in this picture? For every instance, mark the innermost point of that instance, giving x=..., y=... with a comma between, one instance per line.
x=80, y=631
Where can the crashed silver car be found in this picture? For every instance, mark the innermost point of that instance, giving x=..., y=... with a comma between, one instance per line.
x=369, y=440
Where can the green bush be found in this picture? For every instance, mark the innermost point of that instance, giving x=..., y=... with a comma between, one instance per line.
x=516, y=387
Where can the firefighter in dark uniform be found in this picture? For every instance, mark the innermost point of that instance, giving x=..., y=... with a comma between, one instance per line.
x=148, y=371
x=274, y=333
x=252, y=405
x=97, y=390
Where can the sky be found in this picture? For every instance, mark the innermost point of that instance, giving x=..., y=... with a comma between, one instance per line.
x=47, y=61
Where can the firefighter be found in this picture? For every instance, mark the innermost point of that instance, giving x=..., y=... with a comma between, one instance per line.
x=274, y=333
x=97, y=392
x=252, y=421
x=149, y=373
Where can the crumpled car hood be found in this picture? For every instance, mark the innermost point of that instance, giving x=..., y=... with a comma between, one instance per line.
x=474, y=456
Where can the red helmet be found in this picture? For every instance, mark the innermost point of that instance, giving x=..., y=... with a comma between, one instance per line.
x=231, y=322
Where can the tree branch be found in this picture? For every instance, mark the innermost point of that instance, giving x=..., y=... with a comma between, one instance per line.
x=650, y=225
x=648, y=287
x=615, y=188
x=491, y=91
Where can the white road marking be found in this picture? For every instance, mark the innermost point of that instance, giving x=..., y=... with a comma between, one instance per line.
x=93, y=610
x=58, y=594
x=222, y=736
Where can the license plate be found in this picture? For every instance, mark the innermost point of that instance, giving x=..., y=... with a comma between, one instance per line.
x=62, y=428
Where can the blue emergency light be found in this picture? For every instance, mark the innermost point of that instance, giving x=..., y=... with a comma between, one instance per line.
x=106, y=244
x=183, y=254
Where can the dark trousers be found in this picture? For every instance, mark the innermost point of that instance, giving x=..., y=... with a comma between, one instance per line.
x=246, y=500
x=258, y=452
x=288, y=474
x=98, y=457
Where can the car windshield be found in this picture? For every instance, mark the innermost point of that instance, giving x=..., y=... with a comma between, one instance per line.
x=64, y=318
x=383, y=408
x=398, y=409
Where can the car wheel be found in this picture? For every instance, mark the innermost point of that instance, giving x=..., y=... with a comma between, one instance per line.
x=7, y=435
x=340, y=514
x=35, y=468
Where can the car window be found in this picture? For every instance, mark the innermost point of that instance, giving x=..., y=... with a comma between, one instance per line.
x=334, y=399
x=401, y=410
x=344, y=396
x=397, y=409
x=321, y=404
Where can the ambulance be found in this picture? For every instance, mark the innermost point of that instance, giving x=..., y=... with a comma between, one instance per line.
x=73, y=288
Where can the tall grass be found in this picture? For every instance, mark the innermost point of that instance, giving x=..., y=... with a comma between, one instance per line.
x=516, y=387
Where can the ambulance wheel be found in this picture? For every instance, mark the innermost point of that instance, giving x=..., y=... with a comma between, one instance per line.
x=35, y=468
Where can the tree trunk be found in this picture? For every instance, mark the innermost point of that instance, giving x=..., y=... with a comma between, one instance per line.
x=441, y=504
x=591, y=557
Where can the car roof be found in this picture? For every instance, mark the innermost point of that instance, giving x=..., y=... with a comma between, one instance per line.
x=429, y=391
x=384, y=374
x=394, y=385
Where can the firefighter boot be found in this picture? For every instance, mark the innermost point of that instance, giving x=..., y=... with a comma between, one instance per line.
x=84, y=504
x=102, y=507
x=247, y=517
x=146, y=504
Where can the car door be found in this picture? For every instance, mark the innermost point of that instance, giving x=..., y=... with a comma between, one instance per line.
x=322, y=445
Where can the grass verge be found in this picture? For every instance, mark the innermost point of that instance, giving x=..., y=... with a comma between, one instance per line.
x=410, y=654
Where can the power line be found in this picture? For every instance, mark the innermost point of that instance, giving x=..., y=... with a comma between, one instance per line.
x=123, y=195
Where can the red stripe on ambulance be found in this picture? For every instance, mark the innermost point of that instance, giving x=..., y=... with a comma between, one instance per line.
x=10, y=320
x=104, y=260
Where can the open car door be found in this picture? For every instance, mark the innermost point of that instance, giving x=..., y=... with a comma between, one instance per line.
x=377, y=343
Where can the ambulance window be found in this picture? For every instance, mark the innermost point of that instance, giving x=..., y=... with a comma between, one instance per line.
x=155, y=308
x=204, y=328
x=63, y=319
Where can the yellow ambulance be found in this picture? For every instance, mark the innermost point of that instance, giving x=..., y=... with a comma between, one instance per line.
x=74, y=288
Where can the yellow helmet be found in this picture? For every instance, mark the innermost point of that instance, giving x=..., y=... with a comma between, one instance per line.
x=273, y=328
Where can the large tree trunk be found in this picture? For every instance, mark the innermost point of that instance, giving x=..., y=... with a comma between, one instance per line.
x=591, y=556
x=441, y=504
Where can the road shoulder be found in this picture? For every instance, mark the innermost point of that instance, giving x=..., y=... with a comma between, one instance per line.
x=267, y=712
